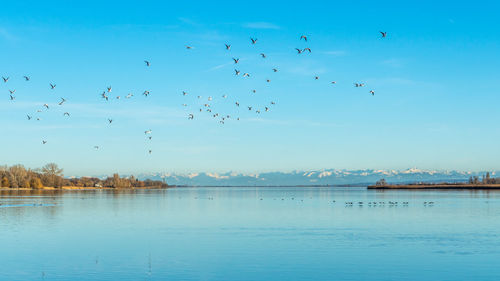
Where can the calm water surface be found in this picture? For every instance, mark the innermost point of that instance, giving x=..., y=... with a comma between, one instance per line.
x=250, y=234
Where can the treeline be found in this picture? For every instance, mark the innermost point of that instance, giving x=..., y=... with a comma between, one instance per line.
x=487, y=179
x=51, y=175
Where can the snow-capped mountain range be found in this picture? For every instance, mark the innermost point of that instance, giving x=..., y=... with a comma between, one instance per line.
x=319, y=177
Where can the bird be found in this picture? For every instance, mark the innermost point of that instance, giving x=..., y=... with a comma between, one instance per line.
x=110, y=121
x=307, y=49
x=224, y=96
x=66, y=114
x=46, y=105
x=148, y=132
x=228, y=46
x=44, y=141
x=334, y=82
x=150, y=151
x=237, y=103
x=104, y=96
x=184, y=93
x=27, y=78
x=268, y=80
x=12, y=91
x=357, y=85
x=275, y=70
x=249, y=108
x=96, y=147
x=303, y=37
x=129, y=96
x=237, y=72
x=209, y=98
x=236, y=60
x=29, y=117
x=109, y=89
x=299, y=51
x=273, y=103
x=246, y=75
x=263, y=55
x=372, y=92
x=5, y=79
x=62, y=101
x=146, y=93
x=384, y=34
x=52, y=86
x=254, y=40
x=254, y=91
x=316, y=77
x=147, y=63
x=150, y=137
x=184, y=104
x=191, y=116
x=266, y=108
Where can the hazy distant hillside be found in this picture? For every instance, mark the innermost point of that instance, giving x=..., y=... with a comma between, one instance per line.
x=321, y=177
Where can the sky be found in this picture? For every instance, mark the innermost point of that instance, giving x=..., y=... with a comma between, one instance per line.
x=435, y=79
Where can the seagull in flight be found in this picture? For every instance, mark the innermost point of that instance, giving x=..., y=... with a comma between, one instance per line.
x=357, y=85
x=254, y=40
x=384, y=34
x=146, y=93
x=303, y=37
x=29, y=117
x=5, y=79
x=191, y=116
x=26, y=78
x=184, y=93
x=307, y=49
x=316, y=77
x=148, y=132
x=109, y=89
x=66, y=114
x=263, y=55
x=129, y=96
x=104, y=96
x=62, y=101
x=236, y=60
x=46, y=105
x=299, y=51
x=96, y=147
x=246, y=75
x=110, y=121
x=12, y=91
x=237, y=103
x=237, y=72
x=372, y=92
x=52, y=86
x=147, y=63
x=228, y=47
x=189, y=47
x=12, y=97
x=44, y=141
x=334, y=82
x=275, y=70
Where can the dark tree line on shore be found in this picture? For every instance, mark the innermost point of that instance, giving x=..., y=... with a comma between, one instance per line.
x=50, y=175
x=487, y=179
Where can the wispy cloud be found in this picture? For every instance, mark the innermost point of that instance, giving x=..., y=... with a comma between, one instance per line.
x=335, y=53
x=261, y=25
x=393, y=62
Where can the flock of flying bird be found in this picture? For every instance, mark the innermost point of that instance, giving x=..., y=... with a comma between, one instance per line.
x=206, y=107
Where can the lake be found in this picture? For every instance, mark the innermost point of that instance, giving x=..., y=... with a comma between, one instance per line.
x=250, y=233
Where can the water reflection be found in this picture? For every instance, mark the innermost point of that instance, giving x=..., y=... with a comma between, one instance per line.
x=250, y=234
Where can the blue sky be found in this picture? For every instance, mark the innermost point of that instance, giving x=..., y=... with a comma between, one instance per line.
x=434, y=76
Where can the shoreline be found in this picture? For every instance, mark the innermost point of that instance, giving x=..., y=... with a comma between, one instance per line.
x=437, y=186
x=48, y=188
